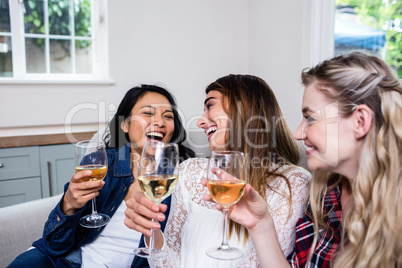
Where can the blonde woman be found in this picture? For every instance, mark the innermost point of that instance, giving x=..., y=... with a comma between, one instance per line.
x=352, y=131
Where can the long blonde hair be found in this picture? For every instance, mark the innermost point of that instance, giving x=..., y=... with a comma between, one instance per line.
x=252, y=105
x=372, y=228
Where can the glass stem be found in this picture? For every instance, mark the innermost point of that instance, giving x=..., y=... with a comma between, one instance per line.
x=152, y=240
x=94, y=211
x=225, y=245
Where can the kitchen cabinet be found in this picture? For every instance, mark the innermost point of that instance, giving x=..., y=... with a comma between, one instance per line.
x=33, y=172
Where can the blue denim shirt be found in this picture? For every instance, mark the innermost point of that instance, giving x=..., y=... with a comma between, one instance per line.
x=63, y=236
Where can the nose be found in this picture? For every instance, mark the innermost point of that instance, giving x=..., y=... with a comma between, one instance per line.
x=202, y=122
x=158, y=120
x=300, y=133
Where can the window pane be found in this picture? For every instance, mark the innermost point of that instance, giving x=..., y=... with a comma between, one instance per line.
x=60, y=56
x=373, y=26
x=83, y=56
x=59, y=17
x=82, y=18
x=4, y=16
x=34, y=16
x=6, y=63
x=35, y=55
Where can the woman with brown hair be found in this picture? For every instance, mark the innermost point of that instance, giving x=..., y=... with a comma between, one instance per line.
x=240, y=113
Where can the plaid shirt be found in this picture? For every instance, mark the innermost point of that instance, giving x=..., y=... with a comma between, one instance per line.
x=327, y=241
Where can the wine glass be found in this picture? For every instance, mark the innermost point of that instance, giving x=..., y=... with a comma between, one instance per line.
x=91, y=155
x=226, y=183
x=158, y=174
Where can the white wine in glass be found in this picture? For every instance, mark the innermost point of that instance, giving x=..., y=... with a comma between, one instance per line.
x=158, y=174
x=91, y=155
x=227, y=178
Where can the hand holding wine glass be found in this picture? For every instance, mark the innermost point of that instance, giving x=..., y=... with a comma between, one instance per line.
x=158, y=174
x=91, y=155
x=226, y=183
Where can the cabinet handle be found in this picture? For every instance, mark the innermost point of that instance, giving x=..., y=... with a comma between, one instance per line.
x=49, y=172
x=1, y=165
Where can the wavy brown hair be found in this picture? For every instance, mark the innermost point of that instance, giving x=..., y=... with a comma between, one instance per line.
x=258, y=129
x=372, y=229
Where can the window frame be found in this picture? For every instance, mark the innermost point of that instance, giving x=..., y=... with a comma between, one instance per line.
x=319, y=26
x=100, y=60
x=319, y=31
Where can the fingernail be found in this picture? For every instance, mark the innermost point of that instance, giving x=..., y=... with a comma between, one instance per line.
x=161, y=218
x=88, y=172
x=156, y=226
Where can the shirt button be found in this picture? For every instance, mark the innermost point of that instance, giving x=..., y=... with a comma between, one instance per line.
x=58, y=218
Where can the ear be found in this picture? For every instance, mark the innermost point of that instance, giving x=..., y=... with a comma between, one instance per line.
x=363, y=118
x=124, y=126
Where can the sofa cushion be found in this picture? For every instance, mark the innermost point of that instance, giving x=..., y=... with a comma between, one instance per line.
x=21, y=225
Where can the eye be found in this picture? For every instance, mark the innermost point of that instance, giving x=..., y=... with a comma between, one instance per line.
x=170, y=117
x=309, y=119
x=208, y=105
x=148, y=113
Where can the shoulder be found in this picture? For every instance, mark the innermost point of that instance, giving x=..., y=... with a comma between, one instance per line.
x=111, y=153
x=293, y=172
x=296, y=176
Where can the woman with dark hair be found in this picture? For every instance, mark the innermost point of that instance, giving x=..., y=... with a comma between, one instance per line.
x=115, y=136
x=240, y=113
x=147, y=112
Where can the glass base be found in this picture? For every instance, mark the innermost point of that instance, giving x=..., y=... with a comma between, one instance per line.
x=150, y=253
x=224, y=253
x=94, y=221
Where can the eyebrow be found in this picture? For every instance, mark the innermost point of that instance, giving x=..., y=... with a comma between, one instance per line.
x=207, y=99
x=306, y=110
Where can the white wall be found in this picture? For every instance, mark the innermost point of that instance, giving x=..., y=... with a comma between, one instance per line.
x=276, y=51
x=183, y=45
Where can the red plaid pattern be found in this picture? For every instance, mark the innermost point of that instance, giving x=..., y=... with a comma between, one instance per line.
x=327, y=241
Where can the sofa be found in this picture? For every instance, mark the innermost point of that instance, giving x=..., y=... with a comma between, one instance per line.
x=22, y=224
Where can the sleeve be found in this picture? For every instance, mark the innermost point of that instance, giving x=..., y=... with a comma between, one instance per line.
x=177, y=217
x=279, y=206
x=60, y=232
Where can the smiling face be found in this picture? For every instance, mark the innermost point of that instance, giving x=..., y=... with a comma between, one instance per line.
x=215, y=120
x=151, y=119
x=328, y=137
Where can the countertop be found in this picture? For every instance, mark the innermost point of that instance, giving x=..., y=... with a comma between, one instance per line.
x=50, y=139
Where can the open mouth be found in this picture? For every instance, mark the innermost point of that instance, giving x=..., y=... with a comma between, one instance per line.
x=310, y=148
x=211, y=131
x=155, y=136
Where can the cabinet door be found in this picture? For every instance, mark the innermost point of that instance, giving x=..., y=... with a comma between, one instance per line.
x=19, y=190
x=57, y=167
x=19, y=175
x=16, y=163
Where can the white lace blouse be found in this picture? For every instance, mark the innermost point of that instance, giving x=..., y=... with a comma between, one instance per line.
x=195, y=225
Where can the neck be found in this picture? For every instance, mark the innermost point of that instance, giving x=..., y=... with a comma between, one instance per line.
x=346, y=195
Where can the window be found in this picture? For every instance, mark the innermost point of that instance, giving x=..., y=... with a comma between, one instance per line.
x=370, y=25
x=52, y=39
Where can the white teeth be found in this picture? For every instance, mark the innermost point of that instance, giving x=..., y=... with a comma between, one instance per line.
x=309, y=147
x=156, y=134
x=211, y=129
